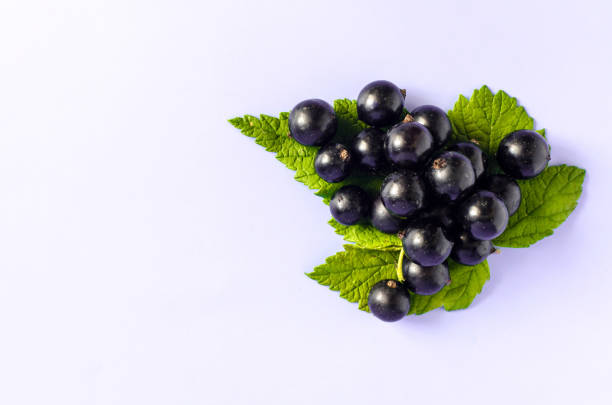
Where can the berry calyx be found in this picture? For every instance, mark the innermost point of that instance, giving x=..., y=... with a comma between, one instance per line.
x=402, y=193
x=450, y=175
x=408, y=145
x=424, y=280
x=483, y=215
x=389, y=301
x=523, y=154
x=349, y=205
x=436, y=121
x=380, y=104
x=312, y=122
x=333, y=162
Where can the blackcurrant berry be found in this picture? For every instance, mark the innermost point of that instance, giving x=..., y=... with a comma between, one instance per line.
x=424, y=280
x=389, y=301
x=475, y=154
x=368, y=149
x=426, y=243
x=450, y=175
x=312, y=122
x=470, y=251
x=436, y=121
x=506, y=189
x=408, y=144
x=380, y=104
x=383, y=220
x=349, y=205
x=333, y=162
x=483, y=215
x=402, y=193
x=444, y=215
x=523, y=154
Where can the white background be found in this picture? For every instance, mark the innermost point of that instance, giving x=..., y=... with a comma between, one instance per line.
x=151, y=254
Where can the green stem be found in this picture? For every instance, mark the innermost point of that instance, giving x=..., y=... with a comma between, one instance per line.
x=400, y=276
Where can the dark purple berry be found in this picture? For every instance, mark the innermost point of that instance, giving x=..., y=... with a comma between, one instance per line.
x=383, y=220
x=469, y=251
x=369, y=150
x=506, y=188
x=312, y=122
x=349, y=205
x=402, y=193
x=475, y=154
x=424, y=280
x=389, y=300
x=426, y=243
x=436, y=121
x=444, y=215
x=523, y=154
x=333, y=162
x=408, y=145
x=483, y=215
x=380, y=104
x=450, y=175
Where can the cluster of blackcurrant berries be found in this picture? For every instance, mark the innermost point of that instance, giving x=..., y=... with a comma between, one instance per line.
x=442, y=200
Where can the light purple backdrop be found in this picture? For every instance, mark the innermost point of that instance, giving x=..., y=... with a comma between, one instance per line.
x=151, y=254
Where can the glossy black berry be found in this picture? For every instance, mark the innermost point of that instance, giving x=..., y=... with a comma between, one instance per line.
x=426, y=243
x=506, y=188
x=444, y=215
x=470, y=251
x=402, y=193
x=312, y=122
x=389, y=300
x=483, y=215
x=368, y=149
x=333, y=162
x=475, y=154
x=383, y=220
x=380, y=104
x=436, y=121
x=450, y=175
x=349, y=205
x=424, y=280
x=408, y=145
x=523, y=154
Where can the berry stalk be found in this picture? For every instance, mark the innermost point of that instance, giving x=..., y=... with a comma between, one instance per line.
x=400, y=260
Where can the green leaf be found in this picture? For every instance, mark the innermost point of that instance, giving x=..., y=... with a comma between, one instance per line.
x=354, y=272
x=486, y=118
x=546, y=201
x=365, y=235
x=348, y=123
x=273, y=134
x=368, y=182
x=466, y=284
